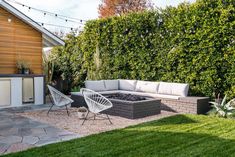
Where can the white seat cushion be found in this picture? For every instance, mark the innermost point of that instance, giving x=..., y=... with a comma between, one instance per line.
x=166, y=96
x=139, y=93
x=95, y=85
x=128, y=85
x=111, y=84
x=110, y=92
x=153, y=95
x=147, y=86
x=129, y=92
x=178, y=89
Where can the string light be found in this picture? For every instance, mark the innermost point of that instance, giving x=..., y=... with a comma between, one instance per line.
x=9, y=19
x=80, y=28
x=49, y=24
x=62, y=17
x=58, y=16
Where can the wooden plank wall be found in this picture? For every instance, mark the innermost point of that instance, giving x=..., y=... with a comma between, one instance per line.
x=18, y=40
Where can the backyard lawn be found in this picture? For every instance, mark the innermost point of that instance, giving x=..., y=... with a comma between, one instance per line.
x=181, y=135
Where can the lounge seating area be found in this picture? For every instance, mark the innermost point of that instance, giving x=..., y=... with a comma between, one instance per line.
x=174, y=96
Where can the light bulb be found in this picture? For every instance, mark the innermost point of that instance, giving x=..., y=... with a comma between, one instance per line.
x=9, y=20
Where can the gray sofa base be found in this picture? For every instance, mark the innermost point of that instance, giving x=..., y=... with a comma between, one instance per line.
x=192, y=105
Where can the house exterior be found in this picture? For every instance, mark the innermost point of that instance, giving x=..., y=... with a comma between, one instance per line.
x=21, y=38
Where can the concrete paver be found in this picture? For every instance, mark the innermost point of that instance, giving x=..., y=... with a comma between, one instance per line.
x=19, y=133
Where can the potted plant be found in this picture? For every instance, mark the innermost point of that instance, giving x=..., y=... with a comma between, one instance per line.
x=222, y=108
x=75, y=89
x=82, y=111
x=23, y=67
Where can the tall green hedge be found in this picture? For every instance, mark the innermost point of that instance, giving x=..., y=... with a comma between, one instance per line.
x=193, y=43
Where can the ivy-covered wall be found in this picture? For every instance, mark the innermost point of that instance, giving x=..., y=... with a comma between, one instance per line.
x=193, y=43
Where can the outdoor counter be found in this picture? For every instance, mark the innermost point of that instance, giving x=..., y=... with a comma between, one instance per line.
x=21, y=89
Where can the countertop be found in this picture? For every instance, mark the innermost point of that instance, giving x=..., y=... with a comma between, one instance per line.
x=22, y=75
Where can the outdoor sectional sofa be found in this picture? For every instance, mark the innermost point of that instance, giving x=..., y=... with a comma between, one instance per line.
x=174, y=96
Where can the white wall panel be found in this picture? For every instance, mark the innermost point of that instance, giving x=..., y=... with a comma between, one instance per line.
x=5, y=92
x=39, y=90
x=16, y=91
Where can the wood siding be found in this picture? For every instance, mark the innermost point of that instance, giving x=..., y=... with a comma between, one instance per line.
x=18, y=40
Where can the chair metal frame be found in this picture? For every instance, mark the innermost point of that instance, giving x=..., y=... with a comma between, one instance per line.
x=96, y=104
x=55, y=100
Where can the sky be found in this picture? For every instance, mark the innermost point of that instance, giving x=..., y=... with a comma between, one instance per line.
x=80, y=9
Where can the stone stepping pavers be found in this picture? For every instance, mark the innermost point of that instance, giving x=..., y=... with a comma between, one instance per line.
x=4, y=147
x=15, y=147
x=19, y=133
x=30, y=139
x=11, y=139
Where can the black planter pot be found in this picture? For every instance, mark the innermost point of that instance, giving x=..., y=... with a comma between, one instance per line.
x=23, y=71
x=26, y=71
x=20, y=71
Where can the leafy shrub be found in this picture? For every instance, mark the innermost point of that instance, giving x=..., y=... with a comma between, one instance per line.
x=68, y=62
x=193, y=43
x=76, y=89
x=223, y=109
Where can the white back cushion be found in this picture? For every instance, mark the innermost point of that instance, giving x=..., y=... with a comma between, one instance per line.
x=95, y=85
x=147, y=86
x=111, y=84
x=165, y=88
x=127, y=85
x=179, y=89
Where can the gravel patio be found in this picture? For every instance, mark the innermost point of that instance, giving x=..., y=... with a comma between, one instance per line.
x=72, y=123
x=29, y=126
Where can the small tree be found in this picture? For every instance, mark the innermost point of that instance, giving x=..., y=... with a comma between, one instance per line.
x=119, y=7
x=68, y=62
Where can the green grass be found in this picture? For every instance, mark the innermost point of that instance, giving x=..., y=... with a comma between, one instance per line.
x=181, y=135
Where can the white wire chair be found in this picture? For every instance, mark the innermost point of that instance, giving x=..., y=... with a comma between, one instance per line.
x=96, y=103
x=58, y=99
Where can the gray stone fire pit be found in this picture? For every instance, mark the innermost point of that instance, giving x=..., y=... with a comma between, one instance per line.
x=133, y=106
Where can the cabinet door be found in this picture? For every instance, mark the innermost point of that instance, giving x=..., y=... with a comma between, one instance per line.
x=39, y=90
x=28, y=91
x=5, y=92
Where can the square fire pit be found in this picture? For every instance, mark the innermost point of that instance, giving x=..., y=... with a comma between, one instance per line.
x=132, y=106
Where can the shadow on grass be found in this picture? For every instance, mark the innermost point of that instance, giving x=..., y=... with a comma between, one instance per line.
x=178, y=119
x=172, y=120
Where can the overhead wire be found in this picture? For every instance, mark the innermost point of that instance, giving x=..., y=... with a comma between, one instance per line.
x=9, y=19
x=44, y=12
